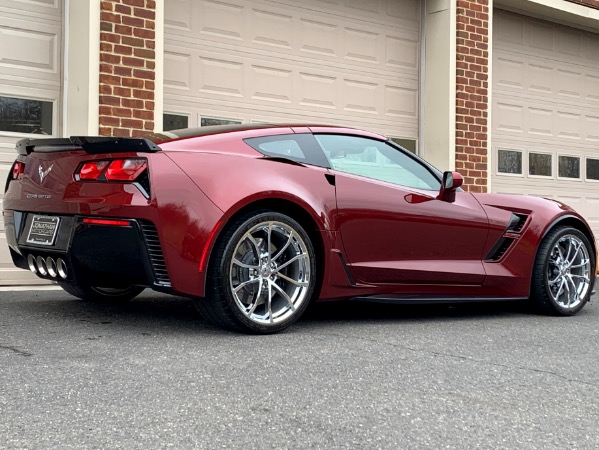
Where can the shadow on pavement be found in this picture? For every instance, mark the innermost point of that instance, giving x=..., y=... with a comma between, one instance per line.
x=176, y=314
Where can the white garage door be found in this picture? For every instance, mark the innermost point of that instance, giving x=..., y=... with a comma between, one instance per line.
x=546, y=112
x=352, y=62
x=30, y=80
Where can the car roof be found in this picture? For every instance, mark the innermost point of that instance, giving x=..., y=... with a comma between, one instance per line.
x=186, y=133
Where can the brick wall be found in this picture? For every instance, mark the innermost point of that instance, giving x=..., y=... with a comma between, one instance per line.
x=589, y=3
x=127, y=66
x=472, y=100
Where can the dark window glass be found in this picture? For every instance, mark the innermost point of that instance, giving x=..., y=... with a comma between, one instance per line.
x=300, y=147
x=539, y=164
x=377, y=160
x=284, y=147
x=174, y=122
x=569, y=167
x=408, y=144
x=209, y=121
x=22, y=115
x=592, y=169
x=509, y=161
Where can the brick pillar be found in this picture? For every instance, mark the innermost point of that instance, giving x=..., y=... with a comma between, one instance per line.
x=127, y=66
x=472, y=88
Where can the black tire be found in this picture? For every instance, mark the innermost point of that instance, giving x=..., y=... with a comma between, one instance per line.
x=553, y=280
x=279, y=306
x=102, y=295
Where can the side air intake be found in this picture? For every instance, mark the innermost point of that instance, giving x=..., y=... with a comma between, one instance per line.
x=511, y=233
x=155, y=252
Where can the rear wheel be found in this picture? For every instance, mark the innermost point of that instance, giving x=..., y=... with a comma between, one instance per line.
x=100, y=294
x=563, y=272
x=262, y=275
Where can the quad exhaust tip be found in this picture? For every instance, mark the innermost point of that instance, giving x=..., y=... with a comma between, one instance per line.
x=48, y=266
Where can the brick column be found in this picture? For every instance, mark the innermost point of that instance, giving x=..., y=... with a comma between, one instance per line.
x=472, y=89
x=127, y=66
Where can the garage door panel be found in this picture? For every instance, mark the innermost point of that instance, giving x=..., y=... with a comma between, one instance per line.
x=528, y=75
x=30, y=68
x=545, y=100
x=529, y=118
x=293, y=31
x=241, y=81
x=42, y=44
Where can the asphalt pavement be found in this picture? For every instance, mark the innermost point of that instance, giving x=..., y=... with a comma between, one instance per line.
x=152, y=374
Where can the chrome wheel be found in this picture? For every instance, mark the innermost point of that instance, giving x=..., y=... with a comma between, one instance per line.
x=569, y=272
x=269, y=273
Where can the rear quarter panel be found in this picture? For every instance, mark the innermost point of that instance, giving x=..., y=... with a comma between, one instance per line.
x=230, y=182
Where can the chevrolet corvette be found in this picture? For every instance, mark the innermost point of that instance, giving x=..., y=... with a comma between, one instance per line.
x=254, y=222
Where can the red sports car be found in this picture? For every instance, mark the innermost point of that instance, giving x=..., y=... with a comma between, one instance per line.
x=255, y=222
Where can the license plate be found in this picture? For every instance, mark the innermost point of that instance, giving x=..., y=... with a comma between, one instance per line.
x=43, y=230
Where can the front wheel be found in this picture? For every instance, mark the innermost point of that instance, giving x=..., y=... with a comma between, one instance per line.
x=100, y=294
x=262, y=275
x=563, y=273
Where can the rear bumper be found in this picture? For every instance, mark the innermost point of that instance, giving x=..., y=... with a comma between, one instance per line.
x=102, y=255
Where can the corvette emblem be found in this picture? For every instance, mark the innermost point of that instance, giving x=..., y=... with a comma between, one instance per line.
x=43, y=173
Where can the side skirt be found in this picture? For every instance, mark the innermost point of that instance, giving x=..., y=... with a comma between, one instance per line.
x=418, y=300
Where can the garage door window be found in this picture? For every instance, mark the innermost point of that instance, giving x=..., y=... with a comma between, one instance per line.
x=174, y=122
x=409, y=144
x=209, y=121
x=592, y=169
x=509, y=162
x=569, y=167
x=22, y=115
x=540, y=164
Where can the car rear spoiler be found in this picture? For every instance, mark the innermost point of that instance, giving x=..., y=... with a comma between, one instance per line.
x=91, y=144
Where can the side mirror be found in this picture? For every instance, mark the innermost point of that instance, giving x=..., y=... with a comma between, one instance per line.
x=451, y=182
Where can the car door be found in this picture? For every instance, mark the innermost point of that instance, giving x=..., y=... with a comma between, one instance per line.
x=393, y=227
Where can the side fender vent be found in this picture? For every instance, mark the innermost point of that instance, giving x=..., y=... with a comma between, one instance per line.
x=499, y=249
x=517, y=222
x=155, y=253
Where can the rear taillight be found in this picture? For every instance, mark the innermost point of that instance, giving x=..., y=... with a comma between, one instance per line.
x=125, y=169
x=91, y=170
x=18, y=169
x=128, y=169
x=16, y=173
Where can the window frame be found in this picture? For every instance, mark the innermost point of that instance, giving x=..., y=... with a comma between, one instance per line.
x=539, y=152
x=56, y=119
x=569, y=155
x=522, y=162
x=181, y=114
x=229, y=120
x=586, y=178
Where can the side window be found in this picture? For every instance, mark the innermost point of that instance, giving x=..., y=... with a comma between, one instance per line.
x=377, y=160
x=300, y=147
x=284, y=147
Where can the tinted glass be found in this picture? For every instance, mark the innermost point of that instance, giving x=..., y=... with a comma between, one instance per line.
x=22, y=115
x=539, y=164
x=569, y=167
x=592, y=169
x=284, y=147
x=509, y=161
x=300, y=147
x=174, y=122
x=377, y=160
